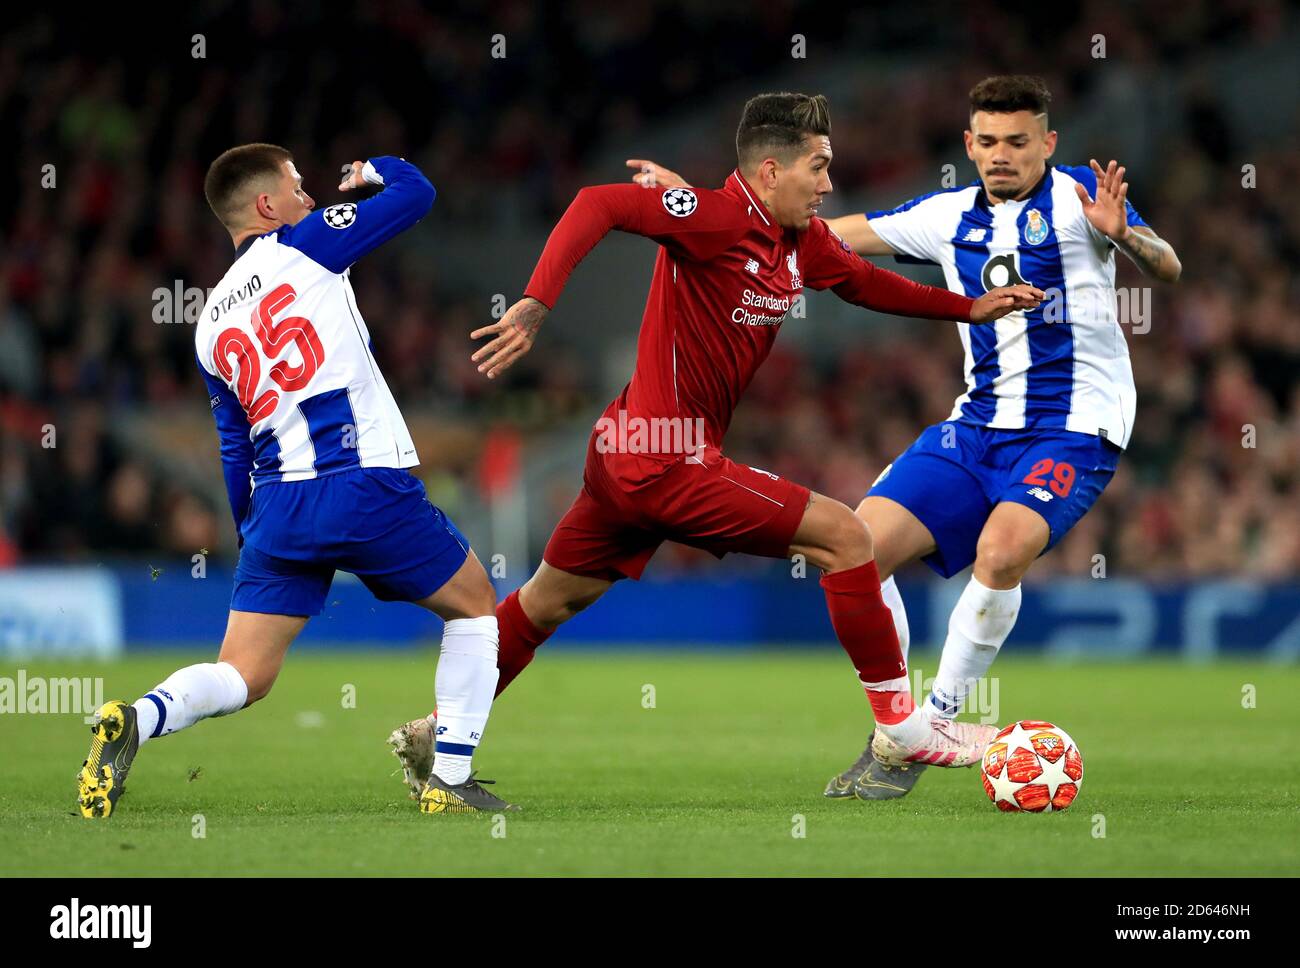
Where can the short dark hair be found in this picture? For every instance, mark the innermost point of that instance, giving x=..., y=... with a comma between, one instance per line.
x=776, y=125
x=1004, y=93
x=236, y=171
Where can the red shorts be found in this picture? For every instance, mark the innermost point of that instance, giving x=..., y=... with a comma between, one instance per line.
x=627, y=508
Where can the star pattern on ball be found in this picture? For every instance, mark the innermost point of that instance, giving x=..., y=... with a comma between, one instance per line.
x=1042, y=768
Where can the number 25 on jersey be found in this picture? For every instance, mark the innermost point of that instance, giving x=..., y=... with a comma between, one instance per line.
x=234, y=347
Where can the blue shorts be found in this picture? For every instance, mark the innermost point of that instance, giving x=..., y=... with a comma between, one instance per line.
x=956, y=473
x=374, y=522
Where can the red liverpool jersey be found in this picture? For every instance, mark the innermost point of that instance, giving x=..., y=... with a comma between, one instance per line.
x=724, y=281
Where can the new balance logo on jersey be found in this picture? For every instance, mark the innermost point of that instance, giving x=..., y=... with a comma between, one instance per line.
x=752, y=266
x=1039, y=493
x=975, y=235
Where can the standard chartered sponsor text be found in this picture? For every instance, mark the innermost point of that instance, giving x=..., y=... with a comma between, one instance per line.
x=757, y=300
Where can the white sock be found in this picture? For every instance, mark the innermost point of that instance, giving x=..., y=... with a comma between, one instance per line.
x=977, y=628
x=910, y=731
x=466, y=681
x=889, y=592
x=189, y=695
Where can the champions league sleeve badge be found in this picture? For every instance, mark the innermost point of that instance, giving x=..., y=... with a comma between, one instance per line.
x=340, y=216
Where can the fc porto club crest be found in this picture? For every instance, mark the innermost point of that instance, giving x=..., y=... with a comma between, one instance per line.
x=1035, y=227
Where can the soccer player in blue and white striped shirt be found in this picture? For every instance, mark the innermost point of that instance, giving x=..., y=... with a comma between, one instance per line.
x=316, y=457
x=1049, y=402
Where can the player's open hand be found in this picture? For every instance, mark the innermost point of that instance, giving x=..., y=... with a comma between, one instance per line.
x=650, y=175
x=996, y=303
x=512, y=336
x=1108, y=211
x=352, y=177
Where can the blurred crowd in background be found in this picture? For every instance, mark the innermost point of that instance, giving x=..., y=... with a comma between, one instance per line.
x=1210, y=484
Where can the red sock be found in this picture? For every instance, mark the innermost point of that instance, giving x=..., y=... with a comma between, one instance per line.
x=865, y=628
x=519, y=639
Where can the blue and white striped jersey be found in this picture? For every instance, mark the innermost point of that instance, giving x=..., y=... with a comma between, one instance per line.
x=1062, y=365
x=288, y=360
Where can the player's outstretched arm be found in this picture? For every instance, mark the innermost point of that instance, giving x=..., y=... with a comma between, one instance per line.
x=691, y=225
x=888, y=292
x=829, y=264
x=998, y=302
x=856, y=230
x=512, y=336
x=337, y=235
x=1109, y=215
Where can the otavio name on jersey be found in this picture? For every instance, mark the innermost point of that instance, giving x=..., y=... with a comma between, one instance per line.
x=287, y=358
x=232, y=299
x=1059, y=365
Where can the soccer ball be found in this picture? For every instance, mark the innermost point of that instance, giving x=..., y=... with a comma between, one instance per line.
x=1032, y=766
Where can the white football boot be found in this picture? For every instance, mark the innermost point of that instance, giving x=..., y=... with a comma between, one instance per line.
x=413, y=744
x=949, y=743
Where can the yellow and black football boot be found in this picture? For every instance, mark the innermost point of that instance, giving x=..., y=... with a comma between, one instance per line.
x=113, y=746
x=467, y=797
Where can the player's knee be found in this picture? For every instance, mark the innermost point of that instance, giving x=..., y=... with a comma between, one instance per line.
x=469, y=594
x=485, y=603
x=550, y=598
x=572, y=605
x=850, y=544
x=1000, y=561
x=480, y=600
x=257, y=681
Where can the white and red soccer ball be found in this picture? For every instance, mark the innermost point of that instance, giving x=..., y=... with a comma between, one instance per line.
x=1032, y=766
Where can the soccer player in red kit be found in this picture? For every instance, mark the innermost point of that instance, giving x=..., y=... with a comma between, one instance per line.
x=730, y=264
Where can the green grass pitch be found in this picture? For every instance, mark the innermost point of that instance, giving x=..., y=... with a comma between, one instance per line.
x=712, y=780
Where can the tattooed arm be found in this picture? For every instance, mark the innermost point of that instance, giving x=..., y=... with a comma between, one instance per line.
x=1109, y=215
x=1150, y=253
